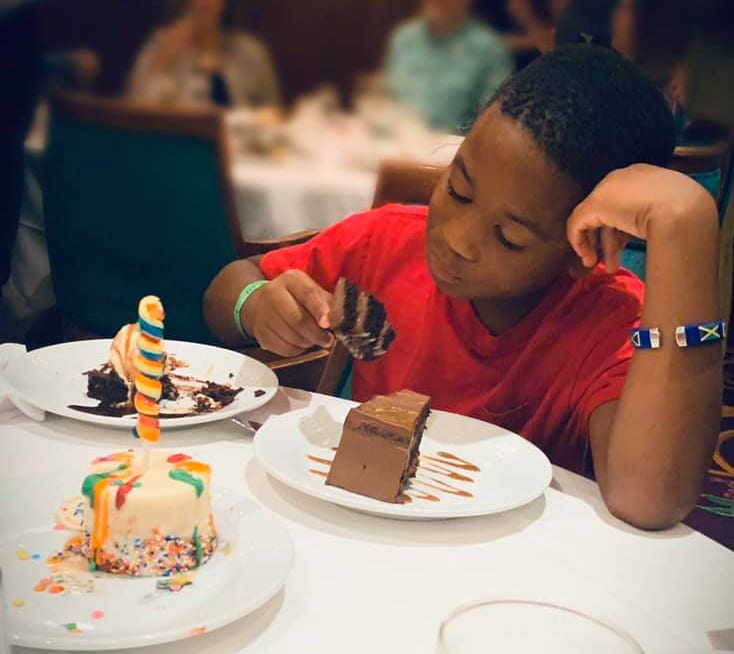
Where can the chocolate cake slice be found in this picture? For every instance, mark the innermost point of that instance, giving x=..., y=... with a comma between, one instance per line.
x=378, y=451
x=112, y=383
x=105, y=385
x=360, y=322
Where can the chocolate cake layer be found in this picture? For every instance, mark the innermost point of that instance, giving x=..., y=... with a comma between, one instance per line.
x=378, y=451
x=360, y=321
x=107, y=386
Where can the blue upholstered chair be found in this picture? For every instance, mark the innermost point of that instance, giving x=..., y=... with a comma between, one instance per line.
x=136, y=201
x=707, y=165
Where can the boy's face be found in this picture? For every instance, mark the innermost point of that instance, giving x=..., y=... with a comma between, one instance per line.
x=497, y=221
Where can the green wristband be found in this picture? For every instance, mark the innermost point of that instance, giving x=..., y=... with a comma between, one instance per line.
x=245, y=293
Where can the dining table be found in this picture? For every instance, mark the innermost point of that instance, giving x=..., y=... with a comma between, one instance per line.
x=278, y=198
x=365, y=584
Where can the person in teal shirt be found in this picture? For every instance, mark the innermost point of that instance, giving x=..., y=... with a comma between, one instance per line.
x=445, y=64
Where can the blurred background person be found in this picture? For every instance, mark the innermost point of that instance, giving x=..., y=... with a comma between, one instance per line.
x=197, y=61
x=20, y=74
x=445, y=64
x=585, y=21
x=27, y=72
x=545, y=24
x=668, y=76
x=536, y=22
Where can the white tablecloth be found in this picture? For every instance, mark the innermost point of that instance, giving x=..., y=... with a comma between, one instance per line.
x=277, y=199
x=280, y=199
x=362, y=584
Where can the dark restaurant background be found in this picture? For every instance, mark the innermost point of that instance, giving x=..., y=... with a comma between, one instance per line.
x=314, y=42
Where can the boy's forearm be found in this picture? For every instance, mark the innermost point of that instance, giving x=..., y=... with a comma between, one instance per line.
x=665, y=427
x=221, y=297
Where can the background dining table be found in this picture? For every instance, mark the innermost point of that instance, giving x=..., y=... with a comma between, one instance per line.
x=369, y=584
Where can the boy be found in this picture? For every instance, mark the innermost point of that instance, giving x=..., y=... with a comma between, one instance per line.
x=494, y=316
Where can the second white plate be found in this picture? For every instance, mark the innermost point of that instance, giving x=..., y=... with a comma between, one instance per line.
x=52, y=378
x=497, y=470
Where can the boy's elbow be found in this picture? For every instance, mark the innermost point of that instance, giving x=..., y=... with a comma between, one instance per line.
x=211, y=306
x=208, y=305
x=651, y=509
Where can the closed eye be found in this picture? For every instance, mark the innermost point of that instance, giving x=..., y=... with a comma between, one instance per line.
x=461, y=199
x=504, y=242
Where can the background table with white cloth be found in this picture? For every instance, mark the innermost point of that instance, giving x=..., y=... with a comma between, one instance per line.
x=276, y=199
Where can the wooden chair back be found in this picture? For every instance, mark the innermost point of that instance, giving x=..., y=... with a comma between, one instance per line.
x=398, y=181
x=406, y=182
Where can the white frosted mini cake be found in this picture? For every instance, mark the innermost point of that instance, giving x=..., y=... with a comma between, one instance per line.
x=150, y=523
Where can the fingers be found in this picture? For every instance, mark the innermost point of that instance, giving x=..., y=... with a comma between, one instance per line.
x=271, y=341
x=585, y=244
x=284, y=314
x=310, y=296
x=611, y=246
x=297, y=327
x=581, y=231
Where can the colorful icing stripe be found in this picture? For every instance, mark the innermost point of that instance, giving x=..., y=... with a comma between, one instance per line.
x=89, y=485
x=194, y=467
x=123, y=490
x=197, y=545
x=178, y=458
x=178, y=474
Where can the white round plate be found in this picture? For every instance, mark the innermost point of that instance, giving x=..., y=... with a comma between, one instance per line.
x=512, y=471
x=52, y=378
x=251, y=564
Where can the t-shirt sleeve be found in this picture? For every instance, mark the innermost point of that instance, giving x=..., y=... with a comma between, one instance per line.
x=601, y=377
x=339, y=251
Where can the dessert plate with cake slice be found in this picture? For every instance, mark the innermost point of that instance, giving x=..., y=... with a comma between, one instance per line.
x=394, y=457
x=91, y=381
x=53, y=599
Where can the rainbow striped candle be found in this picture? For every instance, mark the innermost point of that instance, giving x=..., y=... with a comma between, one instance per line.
x=150, y=361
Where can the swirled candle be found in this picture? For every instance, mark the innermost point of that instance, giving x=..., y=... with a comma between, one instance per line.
x=150, y=360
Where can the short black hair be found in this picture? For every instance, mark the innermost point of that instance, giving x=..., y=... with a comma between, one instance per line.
x=590, y=111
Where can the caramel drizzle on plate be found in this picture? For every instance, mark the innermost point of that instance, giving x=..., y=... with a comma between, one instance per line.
x=318, y=459
x=452, y=460
x=437, y=466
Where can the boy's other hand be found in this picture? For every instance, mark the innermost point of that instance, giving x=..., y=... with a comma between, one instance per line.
x=289, y=314
x=626, y=203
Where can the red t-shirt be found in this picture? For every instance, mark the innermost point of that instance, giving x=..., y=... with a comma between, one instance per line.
x=542, y=379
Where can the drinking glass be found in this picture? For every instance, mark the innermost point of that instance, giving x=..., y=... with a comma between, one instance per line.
x=518, y=626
